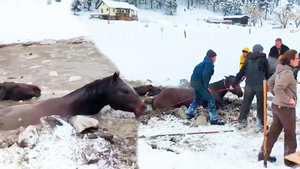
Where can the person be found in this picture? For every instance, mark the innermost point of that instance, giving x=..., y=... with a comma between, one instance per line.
x=245, y=52
x=200, y=78
x=284, y=88
x=256, y=69
x=296, y=72
x=278, y=49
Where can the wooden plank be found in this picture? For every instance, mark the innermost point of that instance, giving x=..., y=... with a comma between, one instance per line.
x=295, y=157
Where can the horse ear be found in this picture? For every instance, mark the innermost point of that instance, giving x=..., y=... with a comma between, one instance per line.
x=115, y=76
x=2, y=93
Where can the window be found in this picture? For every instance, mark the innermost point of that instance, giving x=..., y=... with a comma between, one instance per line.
x=117, y=10
x=101, y=10
x=113, y=10
x=106, y=9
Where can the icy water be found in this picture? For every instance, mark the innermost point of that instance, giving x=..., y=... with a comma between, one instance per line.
x=32, y=64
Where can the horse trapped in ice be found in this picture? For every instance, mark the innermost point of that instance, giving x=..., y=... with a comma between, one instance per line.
x=148, y=90
x=171, y=98
x=18, y=91
x=87, y=100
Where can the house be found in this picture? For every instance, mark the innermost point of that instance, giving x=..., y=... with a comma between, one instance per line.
x=112, y=10
x=238, y=19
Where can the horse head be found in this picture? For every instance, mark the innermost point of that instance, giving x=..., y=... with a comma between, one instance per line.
x=18, y=91
x=122, y=96
x=229, y=81
x=116, y=93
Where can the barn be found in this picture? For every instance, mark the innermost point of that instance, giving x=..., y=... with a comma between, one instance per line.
x=238, y=19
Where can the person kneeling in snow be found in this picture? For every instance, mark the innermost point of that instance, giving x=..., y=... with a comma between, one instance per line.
x=256, y=70
x=199, y=81
x=284, y=88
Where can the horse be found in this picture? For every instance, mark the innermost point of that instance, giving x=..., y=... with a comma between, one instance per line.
x=18, y=91
x=87, y=100
x=148, y=90
x=172, y=98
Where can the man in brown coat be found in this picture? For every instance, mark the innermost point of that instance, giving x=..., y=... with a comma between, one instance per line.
x=284, y=88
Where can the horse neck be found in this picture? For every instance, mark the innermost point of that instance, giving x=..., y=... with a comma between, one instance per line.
x=79, y=104
x=220, y=88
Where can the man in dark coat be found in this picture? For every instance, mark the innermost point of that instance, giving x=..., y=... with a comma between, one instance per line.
x=200, y=81
x=296, y=71
x=277, y=50
x=256, y=69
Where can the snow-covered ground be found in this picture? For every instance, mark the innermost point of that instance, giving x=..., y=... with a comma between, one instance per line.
x=160, y=53
x=34, y=20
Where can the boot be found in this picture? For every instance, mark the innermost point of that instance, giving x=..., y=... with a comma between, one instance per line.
x=242, y=124
x=271, y=159
x=217, y=122
x=190, y=112
x=289, y=163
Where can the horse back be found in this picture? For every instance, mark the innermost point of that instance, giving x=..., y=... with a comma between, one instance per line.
x=171, y=98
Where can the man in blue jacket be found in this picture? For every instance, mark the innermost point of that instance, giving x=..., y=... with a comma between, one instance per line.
x=200, y=81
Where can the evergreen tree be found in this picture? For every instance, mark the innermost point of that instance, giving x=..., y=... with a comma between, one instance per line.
x=171, y=6
x=76, y=6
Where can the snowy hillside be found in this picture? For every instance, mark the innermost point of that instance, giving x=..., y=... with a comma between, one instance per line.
x=155, y=48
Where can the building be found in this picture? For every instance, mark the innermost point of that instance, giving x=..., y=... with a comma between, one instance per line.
x=112, y=10
x=238, y=19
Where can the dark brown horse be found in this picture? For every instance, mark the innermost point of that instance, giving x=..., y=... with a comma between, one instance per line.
x=148, y=90
x=87, y=100
x=171, y=98
x=18, y=91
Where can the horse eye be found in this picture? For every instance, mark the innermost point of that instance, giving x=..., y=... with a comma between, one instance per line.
x=125, y=91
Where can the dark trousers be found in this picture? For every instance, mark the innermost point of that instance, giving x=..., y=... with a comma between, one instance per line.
x=202, y=93
x=249, y=93
x=283, y=118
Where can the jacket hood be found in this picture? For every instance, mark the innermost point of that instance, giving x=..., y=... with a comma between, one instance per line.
x=245, y=49
x=256, y=55
x=280, y=68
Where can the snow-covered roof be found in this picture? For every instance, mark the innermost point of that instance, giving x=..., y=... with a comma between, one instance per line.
x=235, y=16
x=115, y=4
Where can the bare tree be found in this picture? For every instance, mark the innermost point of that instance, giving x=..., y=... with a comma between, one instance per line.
x=283, y=16
x=255, y=13
x=296, y=18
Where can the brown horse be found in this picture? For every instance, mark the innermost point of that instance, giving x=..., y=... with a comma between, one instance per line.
x=171, y=98
x=148, y=90
x=18, y=91
x=87, y=100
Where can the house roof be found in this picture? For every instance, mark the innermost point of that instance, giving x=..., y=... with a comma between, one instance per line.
x=115, y=4
x=236, y=16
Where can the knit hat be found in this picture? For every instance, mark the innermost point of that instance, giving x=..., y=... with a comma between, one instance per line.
x=257, y=48
x=210, y=53
x=246, y=49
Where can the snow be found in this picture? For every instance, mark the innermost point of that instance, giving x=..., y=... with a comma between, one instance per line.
x=114, y=4
x=34, y=20
x=160, y=53
x=234, y=16
x=229, y=150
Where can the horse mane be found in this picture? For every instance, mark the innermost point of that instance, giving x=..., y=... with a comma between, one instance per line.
x=93, y=89
x=221, y=80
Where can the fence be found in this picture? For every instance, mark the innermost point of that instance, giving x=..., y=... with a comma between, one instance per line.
x=186, y=35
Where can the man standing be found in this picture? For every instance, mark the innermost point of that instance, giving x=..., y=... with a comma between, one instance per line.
x=277, y=50
x=256, y=69
x=199, y=81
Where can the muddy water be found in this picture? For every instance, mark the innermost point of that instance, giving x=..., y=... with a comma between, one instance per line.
x=32, y=64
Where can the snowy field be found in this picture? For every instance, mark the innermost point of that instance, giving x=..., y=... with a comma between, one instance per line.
x=160, y=53
x=34, y=20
